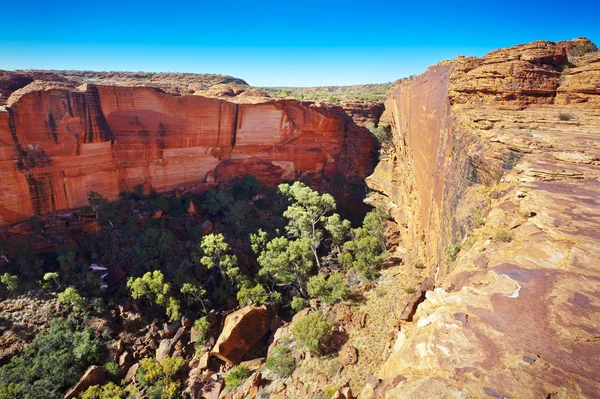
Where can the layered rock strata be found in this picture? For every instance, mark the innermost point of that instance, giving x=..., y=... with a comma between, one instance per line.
x=57, y=144
x=500, y=158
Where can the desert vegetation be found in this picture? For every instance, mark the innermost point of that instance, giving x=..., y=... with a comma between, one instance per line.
x=283, y=247
x=332, y=94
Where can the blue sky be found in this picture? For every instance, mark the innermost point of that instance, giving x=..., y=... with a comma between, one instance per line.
x=278, y=43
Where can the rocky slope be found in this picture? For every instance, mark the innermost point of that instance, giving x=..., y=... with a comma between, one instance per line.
x=494, y=181
x=57, y=143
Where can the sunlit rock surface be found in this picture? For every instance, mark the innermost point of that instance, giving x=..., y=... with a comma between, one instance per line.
x=501, y=155
x=58, y=144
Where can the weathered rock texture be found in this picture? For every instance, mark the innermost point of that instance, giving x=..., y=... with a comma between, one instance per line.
x=501, y=154
x=364, y=113
x=242, y=330
x=59, y=143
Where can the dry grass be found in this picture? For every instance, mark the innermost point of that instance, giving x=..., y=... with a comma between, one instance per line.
x=502, y=235
x=383, y=305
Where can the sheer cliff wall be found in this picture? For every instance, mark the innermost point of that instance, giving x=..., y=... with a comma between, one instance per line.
x=500, y=156
x=57, y=144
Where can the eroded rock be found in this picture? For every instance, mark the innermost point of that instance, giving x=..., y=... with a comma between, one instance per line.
x=241, y=331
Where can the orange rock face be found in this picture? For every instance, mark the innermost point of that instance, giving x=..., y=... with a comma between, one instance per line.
x=241, y=331
x=57, y=145
x=499, y=156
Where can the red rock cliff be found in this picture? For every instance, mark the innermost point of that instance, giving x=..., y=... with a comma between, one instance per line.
x=498, y=155
x=58, y=144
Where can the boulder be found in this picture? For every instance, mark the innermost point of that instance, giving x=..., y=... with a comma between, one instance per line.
x=348, y=355
x=94, y=375
x=170, y=329
x=251, y=387
x=242, y=330
x=164, y=349
x=125, y=360
x=206, y=227
x=210, y=390
x=21, y=228
x=132, y=373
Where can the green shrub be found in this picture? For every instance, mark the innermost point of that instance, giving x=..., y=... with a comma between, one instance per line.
x=330, y=290
x=71, y=299
x=201, y=327
x=52, y=362
x=10, y=281
x=382, y=133
x=162, y=204
x=452, y=251
x=236, y=376
x=313, y=331
x=112, y=368
x=281, y=362
x=584, y=49
x=477, y=218
x=35, y=223
x=564, y=116
x=298, y=303
x=108, y=391
x=160, y=379
x=502, y=235
x=248, y=295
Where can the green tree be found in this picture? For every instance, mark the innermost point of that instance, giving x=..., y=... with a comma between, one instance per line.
x=258, y=241
x=366, y=251
x=217, y=200
x=194, y=294
x=153, y=248
x=338, y=228
x=313, y=331
x=52, y=362
x=71, y=298
x=249, y=294
x=239, y=217
x=173, y=309
x=52, y=276
x=247, y=188
x=306, y=212
x=153, y=287
x=96, y=201
x=10, y=281
x=217, y=254
x=287, y=262
x=67, y=262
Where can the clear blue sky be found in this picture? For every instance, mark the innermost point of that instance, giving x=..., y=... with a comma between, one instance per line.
x=278, y=43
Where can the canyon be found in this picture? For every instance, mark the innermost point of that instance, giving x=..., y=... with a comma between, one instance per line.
x=492, y=179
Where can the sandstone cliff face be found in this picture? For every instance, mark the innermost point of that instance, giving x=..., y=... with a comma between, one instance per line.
x=501, y=155
x=57, y=144
x=364, y=113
